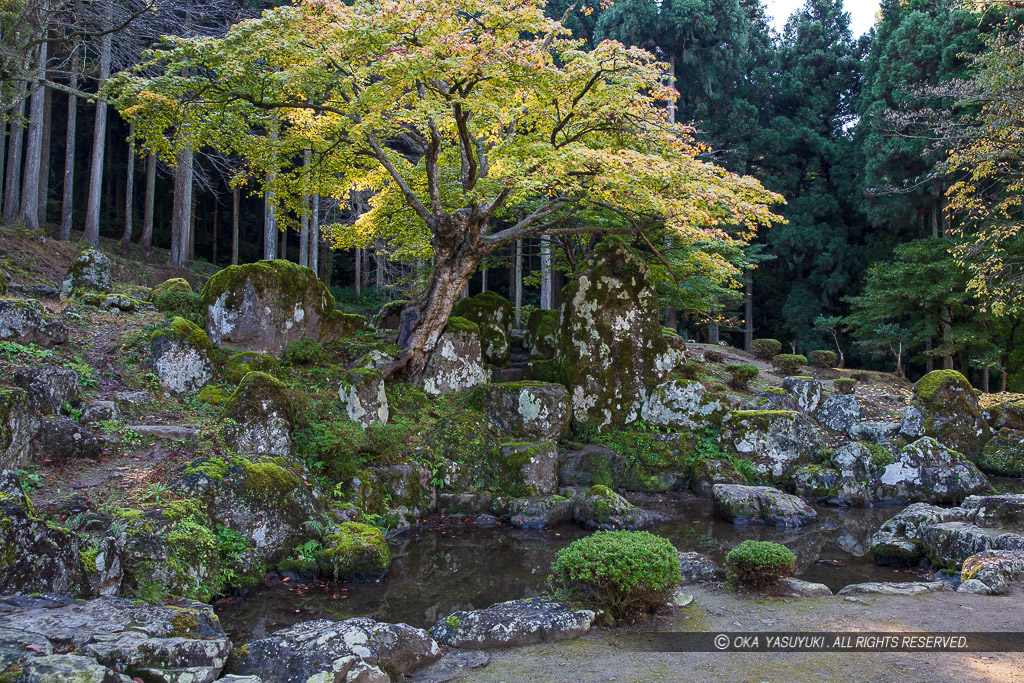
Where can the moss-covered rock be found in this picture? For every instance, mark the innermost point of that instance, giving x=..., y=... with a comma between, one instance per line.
x=839, y=412
x=541, y=340
x=588, y=464
x=926, y=471
x=3, y=283
x=775, y=441
x=524, y=469
x=710, y=471
x=532, y=409
x=357, y=552
x=540, y=512
x=109, y=302
x=27, y=322
x=175, y=284
x=244, y=362
x=362, y=395
x=685, y=405
x=389, y=317
x=1007, y=415
x=89, y=272
x=263, y=306
x=945, y=408
x=806, y=391
x=258, y=416
x=49, y=387
x=487, y=308
x=1004, y=454
x=456, y=362
x=761, y=505
x=180, y=353
x=899, y=540
x=494, y=344
x=601, y=508
x=18, y=424
x=611, y=349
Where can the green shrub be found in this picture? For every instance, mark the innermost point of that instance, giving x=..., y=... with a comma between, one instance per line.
x=690, y=370
x=766, y=349
x=712, y=356
x=823, y=359
x=845, y=385
x=178, y=304
x=303, y=351
x=624, y=573
x=333, y=447
x=789, y=363
x=760, y=564
x=741, y=374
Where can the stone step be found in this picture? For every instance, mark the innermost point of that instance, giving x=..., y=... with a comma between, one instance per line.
x=169, y=432
x=508, y=374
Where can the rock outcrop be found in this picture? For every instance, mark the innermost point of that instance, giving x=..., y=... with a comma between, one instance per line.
x=258, y=416
x=686, y=405
x=535, y=410
x=27, y=322
x=456, y=363
x=601, y=508
x=945, y=408
x=88, y=274
x=514, y=623
x=180, y=353
x=926, y=471
x=761, y=505
x=362, y=395
x=775, y=441
x=48, y=387
x=18, y=425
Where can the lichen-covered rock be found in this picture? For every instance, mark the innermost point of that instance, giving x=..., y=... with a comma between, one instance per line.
x=35, y=557
x=806, y=391
x=57, y=668
x=945, y=408
x=900, y=539
x=18, y=424
x=1007, y=415
x=894, y=588
x=999, y=570
x=48, y=387
x=601, y=508
x=258, y=416
x=95, y=412
x=110, y=302
x=856, y=461
x=180, y=353
x=407, y=485
x=355, y=552
x=771, y=398
x=925, y=471
x=512, y=624
x=1005, y=510
x=611, y=350
x=456, y=363
x=494, y=315
x=685, y=405
x=537, y=410
x=540, y=512
x=1004, y=454
x=62, y=439
x=27, y=322
x=494, y=344
x=775, y=441
x=244, y=362
x=587, y=464
x=698, y=568
x=263, y=306
x=818, y=484
x=90, y=272
x=761, y=505
x=361, y=391
x=525, y=469
x=174, y=284
x=874, y=431
x=710, y=471
x=389, y=317
x=949, y=544
x=839, y=412
x=149, y=642
x=325, y=650
x=541, y=340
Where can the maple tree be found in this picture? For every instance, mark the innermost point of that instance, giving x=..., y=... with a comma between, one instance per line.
x=474, y=123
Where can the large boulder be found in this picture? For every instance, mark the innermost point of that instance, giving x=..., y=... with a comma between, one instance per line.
x=806, y=391
x=540, y=512
x=35, y=557
x=1004, y=454
x=146, y=642
x=926, y=471
x=611, y=348
x=541, y=340
x=494, y=315
x=526, y=468
x=761, y=505
x=900, y=540
x=588, y=464
x=839, y=412
x=949, y=544
x=62, y=439
x=88, y=273
x=685, y=405
x=601, y=508
x=536, y=410
x=49, y=387
x=771, y=398
x=710, y=471
x=359, y=649
x=998, y=570
x=361, y=391
x=1005, y=510
x=512, y=624
x=456, y=363
x=263, y=306
x=53, y=668
x=1006, y=415
x=258, y=416
x=18, y=425
x=355, y=552
x=27, y=322
x=267, y=500
x=775, y=441
x=180, y=352
x=174, y=284
x=945, y=408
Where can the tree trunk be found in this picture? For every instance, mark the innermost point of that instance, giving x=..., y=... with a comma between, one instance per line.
x=147, y=218
x=68, y=200
x=129, y=190
x=483, y=280
x=12, y=198
x=672, y=319
x=192, y=228
x=304, y=216
x=216, y=229
x=1002, y=381
x=34, y=146
x=182, y=208
x=283, y=237
x=713, y=332
x=672, y=84
x=234, y=226
x=269, y=220
x=517, y=274
x=92, y=213
x=546, y=303
x=378, y=259
x=748, y=310
x=3, y=154
x=984, y=379
x=359, y=272
x=314, y=235
x=930, y=363
x=44, y=161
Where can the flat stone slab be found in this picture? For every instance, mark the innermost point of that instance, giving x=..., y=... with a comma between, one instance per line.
x=513, y=623
x=895, y=588
x=804, y=589
x=451, y=666
x=169, y=432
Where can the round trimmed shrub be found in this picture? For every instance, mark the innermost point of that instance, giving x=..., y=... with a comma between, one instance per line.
x=823, y=359
x=624, y=573
x=741, y=374
x=766, y=349
x=760, y=564
x=845, y=385
x=789, y=363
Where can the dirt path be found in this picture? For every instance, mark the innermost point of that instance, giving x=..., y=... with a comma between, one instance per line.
x=601, y=657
